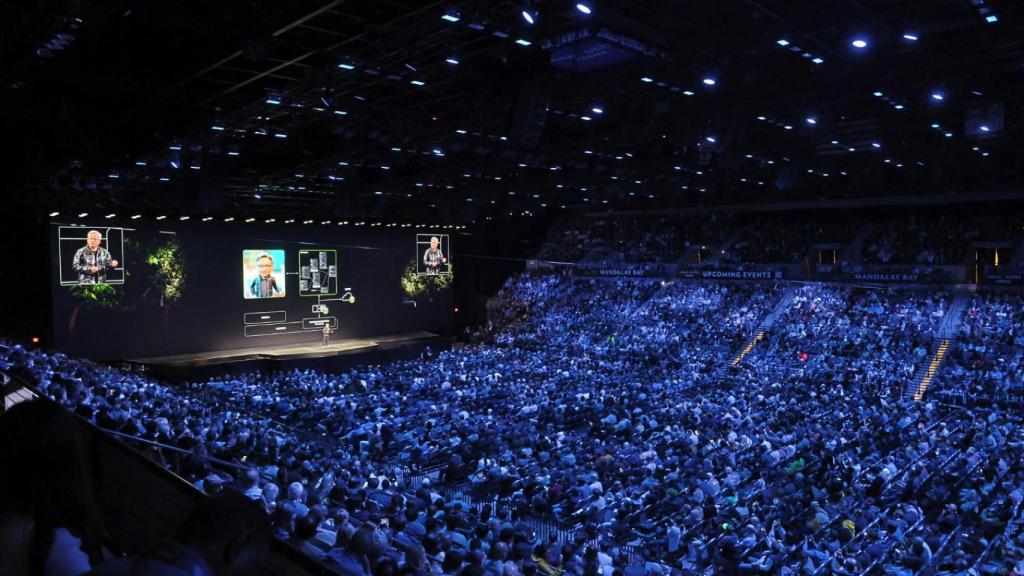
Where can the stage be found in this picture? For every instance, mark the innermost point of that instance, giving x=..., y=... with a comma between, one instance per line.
x=336, y=355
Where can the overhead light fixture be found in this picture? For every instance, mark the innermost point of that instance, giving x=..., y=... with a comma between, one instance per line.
x=454, y=61
x=52, y=214
x=417, y=82
x=783, y=42
x=528, y=16
x=710, y=81
x=273, y=100
x=647, y=79
x=583, y=7
x=859, y=43
x=597, y=110
x=910, y=37
x=161, y=217
x=136, y=216
x=346, y=66
x=811, y=120
x=711, y=139
x=523, y=42
x=938, y=96
x=991, y=19
x=451, y=15
x=818, y=61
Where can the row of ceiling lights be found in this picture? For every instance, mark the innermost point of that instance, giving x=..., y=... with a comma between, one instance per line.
x=307, y=221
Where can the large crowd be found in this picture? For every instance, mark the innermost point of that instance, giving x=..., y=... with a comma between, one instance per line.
x=614, y=426
x=986, y=362
x=920, y=238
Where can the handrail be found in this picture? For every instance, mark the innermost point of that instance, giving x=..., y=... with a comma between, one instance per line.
x=176, y=449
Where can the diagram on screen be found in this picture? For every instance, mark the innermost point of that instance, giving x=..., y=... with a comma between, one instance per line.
x=318, y=273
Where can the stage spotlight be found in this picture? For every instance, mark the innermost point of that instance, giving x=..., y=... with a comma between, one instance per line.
x=583, y=7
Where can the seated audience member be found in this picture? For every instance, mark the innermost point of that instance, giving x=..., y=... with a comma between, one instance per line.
x=225, y=535
x=49, y=524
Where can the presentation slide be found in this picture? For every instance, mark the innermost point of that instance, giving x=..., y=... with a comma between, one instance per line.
x=160, y=289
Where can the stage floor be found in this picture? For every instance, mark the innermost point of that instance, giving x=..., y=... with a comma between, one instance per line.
x=286, y=352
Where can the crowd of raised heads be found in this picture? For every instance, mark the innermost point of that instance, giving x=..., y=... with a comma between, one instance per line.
x=616, y=426
x=920, y=237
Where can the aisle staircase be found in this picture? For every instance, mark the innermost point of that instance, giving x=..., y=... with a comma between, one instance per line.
x=945, y=338
x=927, y=372
x=853, y=253
x=761, y=331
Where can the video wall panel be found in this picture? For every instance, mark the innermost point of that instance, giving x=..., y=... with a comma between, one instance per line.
x=125, y=292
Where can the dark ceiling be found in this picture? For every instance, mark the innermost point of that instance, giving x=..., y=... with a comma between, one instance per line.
x=384, y=109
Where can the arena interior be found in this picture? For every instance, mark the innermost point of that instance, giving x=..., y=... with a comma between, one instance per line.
x=513, y=288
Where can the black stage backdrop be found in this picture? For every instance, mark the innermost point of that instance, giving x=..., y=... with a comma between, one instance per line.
x=184, y=286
